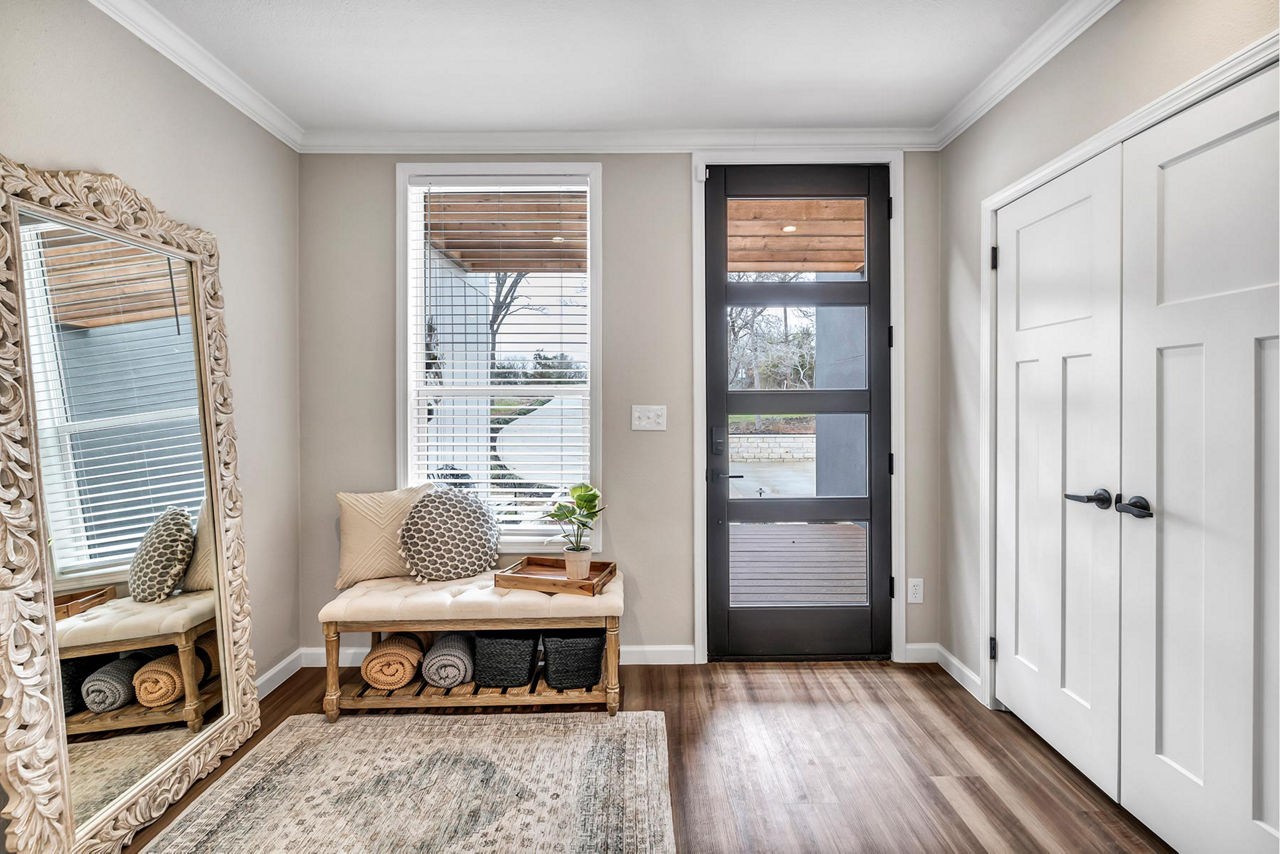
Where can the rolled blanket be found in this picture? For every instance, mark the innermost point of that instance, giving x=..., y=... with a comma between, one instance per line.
x=392, y=663
x=450, y=661
x=74, y=672
x=207, y=650
x=159, y=682
x=110, y=687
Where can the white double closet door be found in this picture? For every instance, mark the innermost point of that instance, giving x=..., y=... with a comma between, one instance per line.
x=1137, y=324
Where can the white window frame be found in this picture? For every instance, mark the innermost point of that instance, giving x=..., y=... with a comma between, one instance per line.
x=415, y=174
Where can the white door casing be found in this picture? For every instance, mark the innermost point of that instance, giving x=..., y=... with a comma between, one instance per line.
x=1058, y=431
x=1199, y=666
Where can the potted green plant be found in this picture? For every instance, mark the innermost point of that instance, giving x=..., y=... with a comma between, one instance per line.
x=575, y=518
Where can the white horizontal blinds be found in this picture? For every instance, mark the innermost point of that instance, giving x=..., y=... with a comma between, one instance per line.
x=117, y=405
x=500, y=341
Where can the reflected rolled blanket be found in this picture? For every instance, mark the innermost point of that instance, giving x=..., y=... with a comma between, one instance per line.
x=74, y=672
x=450, y=661
x=159, y=682
x=207, y=651
x=393, y=662
x=110, y=687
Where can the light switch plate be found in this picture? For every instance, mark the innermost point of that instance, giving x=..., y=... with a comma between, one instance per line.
x=648, y=417
x=915, y=591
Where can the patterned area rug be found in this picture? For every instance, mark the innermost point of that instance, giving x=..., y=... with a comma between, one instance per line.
x=425, y=783
x=102, y=769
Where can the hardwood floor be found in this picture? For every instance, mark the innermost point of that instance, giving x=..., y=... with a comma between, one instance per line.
x=838, y=756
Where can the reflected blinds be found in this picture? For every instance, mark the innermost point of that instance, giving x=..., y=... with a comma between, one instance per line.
x=114, y=377
x=500, y=342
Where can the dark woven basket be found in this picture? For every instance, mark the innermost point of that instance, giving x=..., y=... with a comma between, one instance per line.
x=506, y=659
x=572, y=657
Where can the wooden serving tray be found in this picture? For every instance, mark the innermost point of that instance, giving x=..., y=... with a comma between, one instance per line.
x=70, y=604
x=547, y=575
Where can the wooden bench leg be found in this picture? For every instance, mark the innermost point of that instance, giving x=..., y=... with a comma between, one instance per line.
x=331, y=689
x=611, y=690
x=193, y=711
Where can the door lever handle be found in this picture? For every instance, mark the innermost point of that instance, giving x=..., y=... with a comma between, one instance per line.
x=1135, y=506
x=731, y=476
x=1100, y=497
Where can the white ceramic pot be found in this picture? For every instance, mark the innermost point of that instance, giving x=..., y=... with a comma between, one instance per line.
x=577, y=565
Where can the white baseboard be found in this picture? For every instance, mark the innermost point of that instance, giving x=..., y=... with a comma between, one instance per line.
x=656, y=654
x=348, y=656
x=959, y=672
x=916, y=653
x=275, y=677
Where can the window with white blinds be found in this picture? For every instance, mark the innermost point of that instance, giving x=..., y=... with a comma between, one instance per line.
x=114, y=379
x=500, y=375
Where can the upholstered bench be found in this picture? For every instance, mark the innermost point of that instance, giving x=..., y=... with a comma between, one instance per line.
x=121, y=625
x=403, y=604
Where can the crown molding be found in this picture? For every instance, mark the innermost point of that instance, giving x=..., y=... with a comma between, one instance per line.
x=141, y=19
x=606, y=142
x=1062, y=28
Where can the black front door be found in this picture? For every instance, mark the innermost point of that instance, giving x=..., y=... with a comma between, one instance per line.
x=798, y=467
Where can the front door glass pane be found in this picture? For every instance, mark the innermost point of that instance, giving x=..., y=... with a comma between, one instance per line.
x=775, y=348
x=787, y=564
x=797, y=240
x=798, y=456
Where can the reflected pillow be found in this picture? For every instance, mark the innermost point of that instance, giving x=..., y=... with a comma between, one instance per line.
x=162, y=556
x=369, y=533
x=200, y=574
x=449, y=534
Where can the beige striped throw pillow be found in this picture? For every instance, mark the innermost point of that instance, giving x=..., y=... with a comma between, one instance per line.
x=369, y=533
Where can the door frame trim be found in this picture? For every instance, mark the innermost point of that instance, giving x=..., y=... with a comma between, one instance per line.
x=893, y=158
x=1257, y=56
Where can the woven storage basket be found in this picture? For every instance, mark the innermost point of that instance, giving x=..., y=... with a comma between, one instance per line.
x=506, y=659
x=572, y=657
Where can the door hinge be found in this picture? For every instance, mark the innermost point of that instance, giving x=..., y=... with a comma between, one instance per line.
x=706, y=173
x=890, y=463
x=892, y=594
x=891, y=337
x=992, y=652
x=995, y=257
x=891, y=207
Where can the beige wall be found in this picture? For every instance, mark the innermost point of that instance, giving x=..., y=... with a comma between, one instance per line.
x=347, y=322
x=81, y=92
x=1132, y=55
x=348, y=369
x=921, y=187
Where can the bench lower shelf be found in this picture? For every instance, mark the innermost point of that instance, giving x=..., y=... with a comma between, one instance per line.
x=357, y=694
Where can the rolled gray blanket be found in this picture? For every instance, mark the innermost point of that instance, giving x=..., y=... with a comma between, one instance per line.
x=74, y=672
x=449, y=662
x=110, y=687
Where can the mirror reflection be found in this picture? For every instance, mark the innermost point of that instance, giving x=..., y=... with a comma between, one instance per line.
x=123, y=480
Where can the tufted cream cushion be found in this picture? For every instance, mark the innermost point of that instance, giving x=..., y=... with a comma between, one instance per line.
x=125, y=619
x=469, y=599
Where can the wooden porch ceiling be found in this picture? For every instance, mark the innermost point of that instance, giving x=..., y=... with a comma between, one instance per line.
x=510, y=232
x=94, y=281
x=829, y=235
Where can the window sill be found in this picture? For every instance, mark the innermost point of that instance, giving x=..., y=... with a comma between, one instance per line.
x=84, y=580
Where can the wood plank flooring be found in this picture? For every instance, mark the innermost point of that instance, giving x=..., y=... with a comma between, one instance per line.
x=839, y=757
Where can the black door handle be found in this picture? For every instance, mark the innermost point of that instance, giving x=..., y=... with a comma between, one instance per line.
x=1135, y=506
x=731, y=476
x=1100, y=497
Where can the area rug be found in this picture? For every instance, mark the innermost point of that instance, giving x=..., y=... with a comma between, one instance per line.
x=425, y=783
x=103, y=768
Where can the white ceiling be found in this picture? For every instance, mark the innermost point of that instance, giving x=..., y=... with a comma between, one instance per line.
x=366, y=69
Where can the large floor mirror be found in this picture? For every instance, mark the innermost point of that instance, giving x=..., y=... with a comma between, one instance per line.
x=127, y=553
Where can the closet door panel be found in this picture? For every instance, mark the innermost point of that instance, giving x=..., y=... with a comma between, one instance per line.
x=1058, y=424
x=1201, y=216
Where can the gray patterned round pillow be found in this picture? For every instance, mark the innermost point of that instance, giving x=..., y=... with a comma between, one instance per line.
x=162, y=556
x=449, y=534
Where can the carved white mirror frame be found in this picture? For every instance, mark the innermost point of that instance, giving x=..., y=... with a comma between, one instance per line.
x=34, y=769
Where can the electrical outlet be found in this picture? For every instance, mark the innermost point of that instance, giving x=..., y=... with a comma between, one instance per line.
x=648, y=417
x=915, y=590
